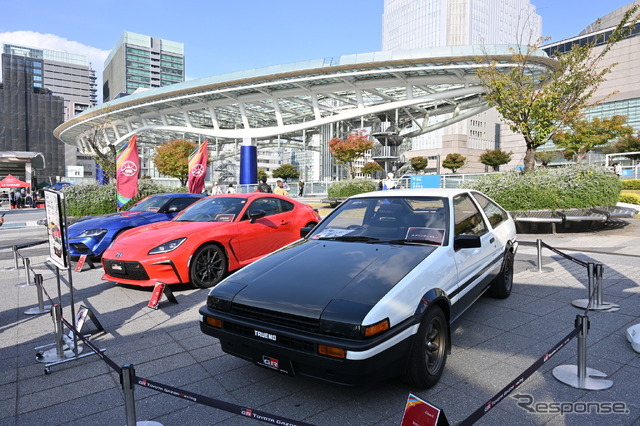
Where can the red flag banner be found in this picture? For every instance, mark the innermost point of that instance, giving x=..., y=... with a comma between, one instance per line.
x=127, y=171
x=198, y=168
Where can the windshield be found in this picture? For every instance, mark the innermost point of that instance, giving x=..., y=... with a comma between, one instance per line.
x=218, y=209
x=149, y=204
x=422, y=220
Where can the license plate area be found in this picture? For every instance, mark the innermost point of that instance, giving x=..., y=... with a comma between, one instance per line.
x=118, y=267
x=278, y=363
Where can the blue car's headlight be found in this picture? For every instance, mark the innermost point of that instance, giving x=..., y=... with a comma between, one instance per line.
x=92, y=233
x=168, y=246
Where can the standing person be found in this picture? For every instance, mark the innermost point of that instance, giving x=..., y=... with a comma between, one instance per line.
x=231, y=189
x=389, y=183
x=280, y=189
x=215, y=189
x=28, y=200
x=263, y=186
x=18, y=199
x=12, y=199
x=380, y=185
x=300, y=188
x=286, y=186
x=617, y=169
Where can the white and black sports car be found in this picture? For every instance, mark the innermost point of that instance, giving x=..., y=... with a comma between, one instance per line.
x=370, y=292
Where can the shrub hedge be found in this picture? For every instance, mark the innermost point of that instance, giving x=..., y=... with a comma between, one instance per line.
x=630, y=198
x=347, y=188
x=91, y=199
x=575, y=186
x=631, y=184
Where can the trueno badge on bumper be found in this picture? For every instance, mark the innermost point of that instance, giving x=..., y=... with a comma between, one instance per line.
x=264, y=335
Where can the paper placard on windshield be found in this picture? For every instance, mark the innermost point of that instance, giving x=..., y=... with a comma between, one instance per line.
x=428, y=235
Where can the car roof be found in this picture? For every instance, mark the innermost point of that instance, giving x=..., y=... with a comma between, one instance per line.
x=417, y=192
x=177, y=195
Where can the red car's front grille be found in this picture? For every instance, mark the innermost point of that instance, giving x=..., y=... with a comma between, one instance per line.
x=126, y=270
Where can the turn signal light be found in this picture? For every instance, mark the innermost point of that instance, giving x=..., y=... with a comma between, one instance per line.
x=379, y=327
x=332, y=352
x=213, y=322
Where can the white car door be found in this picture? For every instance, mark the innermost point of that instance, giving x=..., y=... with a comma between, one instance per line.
x=473, y=264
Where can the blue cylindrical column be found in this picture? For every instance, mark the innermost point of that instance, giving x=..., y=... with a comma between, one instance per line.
x=248, y=165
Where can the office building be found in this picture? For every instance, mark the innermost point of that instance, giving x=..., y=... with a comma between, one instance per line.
x=141, y=62
x=412, y=24
x=619, y=94
x=70, y=77
x=29, y=113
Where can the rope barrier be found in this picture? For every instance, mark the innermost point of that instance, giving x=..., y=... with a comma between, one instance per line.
x=186, y=395
x=497, y=398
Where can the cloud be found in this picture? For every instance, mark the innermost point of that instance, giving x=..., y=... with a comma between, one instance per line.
x=37, y=40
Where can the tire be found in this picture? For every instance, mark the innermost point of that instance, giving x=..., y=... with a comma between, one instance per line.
x=428, y=354
x=503, y=283
x=208, y=266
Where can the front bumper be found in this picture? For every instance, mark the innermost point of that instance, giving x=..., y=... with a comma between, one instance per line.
x=296, y=352
x=144, y=274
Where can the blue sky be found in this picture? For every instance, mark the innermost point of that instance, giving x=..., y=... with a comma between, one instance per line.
x=224, y=36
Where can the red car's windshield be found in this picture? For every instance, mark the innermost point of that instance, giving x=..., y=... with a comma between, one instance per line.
x=218, y=209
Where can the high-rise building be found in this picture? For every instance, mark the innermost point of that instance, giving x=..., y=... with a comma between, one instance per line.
x=139, y=61
x=413, y=24
x=65, y=74
x=68, y=76
x=28, y=115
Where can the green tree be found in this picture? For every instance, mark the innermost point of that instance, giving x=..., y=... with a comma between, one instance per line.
x=371, y=167
x=454, y=161
x=172, y=159
x=286, y=172
x=585, y=136
x=419, y=163
x=545, y=157
x=262, y=174
x=495, y=158
x=538, y=105
x=354, y=147
x=628, y=143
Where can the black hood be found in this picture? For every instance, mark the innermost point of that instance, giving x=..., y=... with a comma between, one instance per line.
x=305, y=277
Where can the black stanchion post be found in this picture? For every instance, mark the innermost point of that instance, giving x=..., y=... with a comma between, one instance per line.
x=580, y=376
x=58, y=331
x=42, y=308
x=127, y=375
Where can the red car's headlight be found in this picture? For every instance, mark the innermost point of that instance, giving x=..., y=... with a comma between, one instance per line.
x=168, y=246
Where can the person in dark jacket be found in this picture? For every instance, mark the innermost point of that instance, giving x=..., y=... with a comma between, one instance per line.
x=263, y=186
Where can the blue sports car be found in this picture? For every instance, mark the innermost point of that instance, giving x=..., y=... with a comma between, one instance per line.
x=91, y=235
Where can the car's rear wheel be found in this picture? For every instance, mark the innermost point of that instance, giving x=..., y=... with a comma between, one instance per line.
x=208, y=266
x=502, y=284
x=429, y=352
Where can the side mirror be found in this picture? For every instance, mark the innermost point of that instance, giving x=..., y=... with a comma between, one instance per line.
x=466, y=241
x=305, y=231
x=256, y=214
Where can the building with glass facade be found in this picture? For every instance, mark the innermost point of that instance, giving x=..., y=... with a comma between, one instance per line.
x=411, y=24
x=29, y=113
x=620, y=92
x=141, y=62
x=63, y=74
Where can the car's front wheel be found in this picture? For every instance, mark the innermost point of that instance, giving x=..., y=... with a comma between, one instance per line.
x=208, y=266
x=502, y=284
x=429, y=352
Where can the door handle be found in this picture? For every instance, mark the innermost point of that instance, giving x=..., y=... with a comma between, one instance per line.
x=492, y=240
x=283, y=222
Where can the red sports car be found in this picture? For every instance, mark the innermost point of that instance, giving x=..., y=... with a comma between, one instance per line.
x=211, y=237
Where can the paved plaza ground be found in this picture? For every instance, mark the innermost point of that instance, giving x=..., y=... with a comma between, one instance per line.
x=493, y=343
